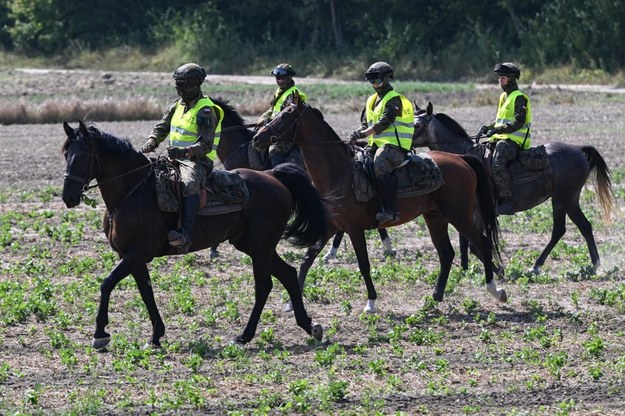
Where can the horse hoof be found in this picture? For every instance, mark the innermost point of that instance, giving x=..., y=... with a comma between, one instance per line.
x=152, y=346
x=213, y=254
x=101, y=343
x=288, y=307
x=370, y=307
x=317, y=332
x=326, y=259
x=503, y=296
x=534, y=270
x=392, y=253
x=240, y=341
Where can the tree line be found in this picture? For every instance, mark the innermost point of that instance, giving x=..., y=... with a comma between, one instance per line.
x=435, y=40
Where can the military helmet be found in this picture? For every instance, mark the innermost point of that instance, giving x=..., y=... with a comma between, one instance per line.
x=283, y=70
x=379, y=70
x=507, y=69
x=190, y=72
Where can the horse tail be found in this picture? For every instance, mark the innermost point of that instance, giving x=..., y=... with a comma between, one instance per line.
x=310, y=218
x=602, y=179
x=485, y=199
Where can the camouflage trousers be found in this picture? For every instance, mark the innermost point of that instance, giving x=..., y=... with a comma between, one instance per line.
x=193, y=175
x=386, y=159
x=505, y=151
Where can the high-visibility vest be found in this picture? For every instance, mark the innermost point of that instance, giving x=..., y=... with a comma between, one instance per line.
x=183, y=126
x=277, y=107
x=505, y=114
x=400, y=132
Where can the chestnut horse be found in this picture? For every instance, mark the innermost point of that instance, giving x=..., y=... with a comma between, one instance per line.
x=328, y=161
x=137, y=229
x=570, y=168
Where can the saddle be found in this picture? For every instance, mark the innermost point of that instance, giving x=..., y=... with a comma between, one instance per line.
x=529, y=165
x=224, y=191
x=418, y=175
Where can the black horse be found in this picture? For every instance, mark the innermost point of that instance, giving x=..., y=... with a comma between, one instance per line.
x=137, y=229
x=571, y=166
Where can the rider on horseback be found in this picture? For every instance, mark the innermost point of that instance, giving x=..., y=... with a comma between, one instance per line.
x=510, y=132
x=286, y=86
x=387, y=120
x=193, y=125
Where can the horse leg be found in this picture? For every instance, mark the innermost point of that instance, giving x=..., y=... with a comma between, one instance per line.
x=389, y=251
x=360, y=247
x=558, y=230
x=214, y=253
x=142, y=277
x=126, y=265
x=579, y=219
x=307, y=262
x=437, y=226
x=336, y=242
x=464, y=252
x=261, y=265
x=286, y=275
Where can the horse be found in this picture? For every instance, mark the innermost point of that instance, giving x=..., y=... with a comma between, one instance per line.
x=137, y=229
x=232, y=150
x=328, y=161
x=571, y=167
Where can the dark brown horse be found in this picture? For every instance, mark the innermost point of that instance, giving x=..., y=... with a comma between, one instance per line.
x=137, y=229
x=328, y=160
x=233, y=152
x=571, y=166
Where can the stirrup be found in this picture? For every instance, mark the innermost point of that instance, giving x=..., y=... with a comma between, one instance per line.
x=385, y=217
x=179, y=240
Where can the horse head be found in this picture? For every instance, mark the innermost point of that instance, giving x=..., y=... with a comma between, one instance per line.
x=82, y=162
x=283, y=127
x=422, y=119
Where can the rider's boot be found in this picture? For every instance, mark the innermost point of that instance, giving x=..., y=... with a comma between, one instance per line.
x=387, y=187
x=181, y=238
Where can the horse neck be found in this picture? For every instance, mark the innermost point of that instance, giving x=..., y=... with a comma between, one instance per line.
x=232, y=149
x=445, y=140
x=119, y=176
x=326, y=157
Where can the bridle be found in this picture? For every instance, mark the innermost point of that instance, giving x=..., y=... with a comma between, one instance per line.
x=425, y=126
x=275, y=136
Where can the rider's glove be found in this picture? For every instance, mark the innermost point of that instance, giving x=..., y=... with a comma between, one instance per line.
x=483, y=130
x=149, y=146
x=354, y=136
x=176, y=152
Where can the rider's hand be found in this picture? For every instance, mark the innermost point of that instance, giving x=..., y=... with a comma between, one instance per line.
x=482, y=130
x=176, y=152
x=354, y=136
x=149, y=146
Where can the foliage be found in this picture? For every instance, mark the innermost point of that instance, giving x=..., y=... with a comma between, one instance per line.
x=423, y=39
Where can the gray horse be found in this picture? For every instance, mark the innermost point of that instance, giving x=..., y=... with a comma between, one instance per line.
x=570, y=168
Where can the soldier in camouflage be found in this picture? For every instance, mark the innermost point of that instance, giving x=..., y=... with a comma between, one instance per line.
x=510, y=132
x=193, y=125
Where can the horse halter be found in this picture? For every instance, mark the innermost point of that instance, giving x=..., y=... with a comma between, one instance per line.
x=424, y=126
x=88, y=176
x=277, y=136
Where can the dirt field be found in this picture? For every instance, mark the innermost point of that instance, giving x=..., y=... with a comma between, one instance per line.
x=555, y=348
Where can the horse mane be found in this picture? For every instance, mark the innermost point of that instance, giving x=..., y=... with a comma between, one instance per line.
x=229, y=111
x=319, y=115
x=451, y=124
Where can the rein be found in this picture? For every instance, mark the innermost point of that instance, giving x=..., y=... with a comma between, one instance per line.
x=276, y=137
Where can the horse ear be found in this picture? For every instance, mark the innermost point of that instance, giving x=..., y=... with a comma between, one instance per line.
x=68, y=130
x=430, y=108
x=416, y=107
x=83, y=129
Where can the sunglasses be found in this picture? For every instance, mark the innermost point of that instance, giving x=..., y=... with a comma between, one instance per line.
x=280, y=72
x=376, y=81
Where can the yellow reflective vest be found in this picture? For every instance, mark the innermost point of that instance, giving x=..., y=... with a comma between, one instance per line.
x=183, y=126
x=277, y=107
x=505, y=114
x=400, y=132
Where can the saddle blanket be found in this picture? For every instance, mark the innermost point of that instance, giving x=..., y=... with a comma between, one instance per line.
x=418, y=175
